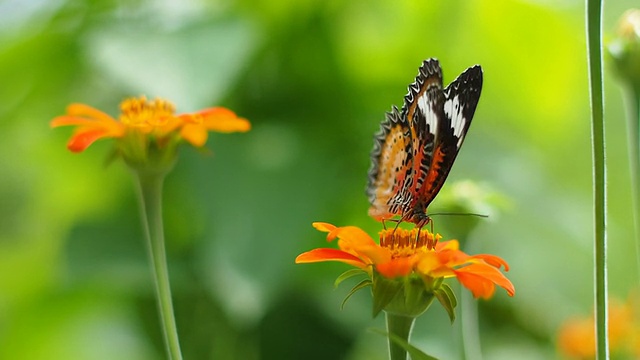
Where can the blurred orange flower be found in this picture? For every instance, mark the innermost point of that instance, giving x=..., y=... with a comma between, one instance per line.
x=576, y=338
x=403, y=252
x=145, y=120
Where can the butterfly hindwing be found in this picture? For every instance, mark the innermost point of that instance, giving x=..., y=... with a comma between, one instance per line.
x=390, y=163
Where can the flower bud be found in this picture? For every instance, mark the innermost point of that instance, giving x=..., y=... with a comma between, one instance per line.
x=625, y=48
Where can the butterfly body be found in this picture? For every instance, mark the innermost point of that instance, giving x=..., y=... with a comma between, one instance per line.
x=416, y=146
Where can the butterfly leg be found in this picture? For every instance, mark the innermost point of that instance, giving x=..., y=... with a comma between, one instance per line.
x=397, y=224
x=423, y=220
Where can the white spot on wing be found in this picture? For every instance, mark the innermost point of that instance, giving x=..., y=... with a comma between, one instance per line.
x=453, y=109
x=426, y=107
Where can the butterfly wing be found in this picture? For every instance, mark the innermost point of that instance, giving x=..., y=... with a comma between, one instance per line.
x=423, y=106
x=390, y=164
x=454, y=113
x=402, y=147
x=415, y=148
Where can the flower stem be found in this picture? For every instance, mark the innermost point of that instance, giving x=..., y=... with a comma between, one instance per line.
x=150, y=195
x=400, y=326
x=632, y=95
x=594, y=50
x=470, y=330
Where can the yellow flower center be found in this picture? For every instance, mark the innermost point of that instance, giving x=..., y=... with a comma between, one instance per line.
x=140, y=112
x=404, y=243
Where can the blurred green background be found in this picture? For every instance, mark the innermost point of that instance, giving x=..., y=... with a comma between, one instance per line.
x=315, y=78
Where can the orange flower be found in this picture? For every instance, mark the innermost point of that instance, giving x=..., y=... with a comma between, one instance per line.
x=92, y=124
x=576, y=338
x=196, y=126
x=142, y=121
x=402, y=253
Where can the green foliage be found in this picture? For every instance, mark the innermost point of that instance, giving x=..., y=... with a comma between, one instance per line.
x=314, y=78
x=348, y=275
x=448, y=300
x=384, y=291
x=359, y=286
x=414, y=352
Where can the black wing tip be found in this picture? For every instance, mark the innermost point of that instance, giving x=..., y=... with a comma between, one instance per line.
x=472, y=75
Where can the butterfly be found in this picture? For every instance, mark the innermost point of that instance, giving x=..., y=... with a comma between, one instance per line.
x=416, y=146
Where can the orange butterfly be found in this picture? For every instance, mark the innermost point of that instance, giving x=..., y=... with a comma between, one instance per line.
x=415, y=148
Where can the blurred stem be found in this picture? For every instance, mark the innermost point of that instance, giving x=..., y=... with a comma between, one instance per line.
x=150, y=195
x=594, y=50
x=400, y=326
x=470, y=331
x=632, y=94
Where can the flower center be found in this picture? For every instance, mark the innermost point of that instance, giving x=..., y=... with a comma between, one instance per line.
x=403, y=243
x=140, y=112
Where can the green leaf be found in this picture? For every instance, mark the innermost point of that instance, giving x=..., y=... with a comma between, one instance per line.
x=361, y=285
x=448, y=300
x=347, y=275
x=414, y=352
x=384, y=290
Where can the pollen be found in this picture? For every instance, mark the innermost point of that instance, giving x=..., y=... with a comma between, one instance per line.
x=403, y=243
x=142, y=112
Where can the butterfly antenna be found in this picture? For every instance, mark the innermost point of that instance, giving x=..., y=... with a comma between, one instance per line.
x=453, y=213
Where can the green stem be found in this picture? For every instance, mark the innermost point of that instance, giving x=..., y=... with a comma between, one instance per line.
x=400, y=326
x=150, y=194
x=632, y=95
x=470, y=329
x=594, y=50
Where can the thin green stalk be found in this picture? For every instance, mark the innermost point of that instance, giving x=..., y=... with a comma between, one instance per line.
x=400, y=326
x=632, y=100
x=594, y=50
x=150, y=194
x=470, y=330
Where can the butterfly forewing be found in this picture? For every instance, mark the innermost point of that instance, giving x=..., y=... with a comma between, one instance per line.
x=422, y=108
x=461, y=100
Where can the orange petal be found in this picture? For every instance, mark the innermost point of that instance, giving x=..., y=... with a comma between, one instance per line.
x=323, y=254
x=353, y=235
x=396, y=267
x=447, y=245
x=429, y=264
x=71, y=120
x=356, y=241
x=479, y=286
x=323, y=226
x=83, y=138
x=223, y=120
x=89, y=112
x=112, y=127
x=371, y=254
x=161, y=126
x=195, y=134
x=480, y=279
x=452, y=258
x=493, y=260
